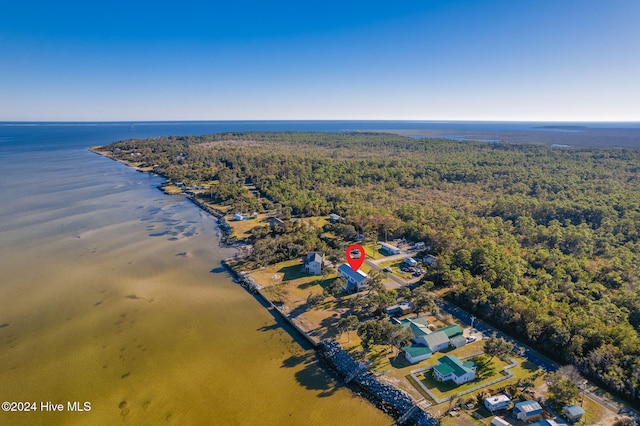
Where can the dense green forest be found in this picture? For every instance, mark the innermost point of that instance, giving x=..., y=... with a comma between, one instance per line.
x=543, y=242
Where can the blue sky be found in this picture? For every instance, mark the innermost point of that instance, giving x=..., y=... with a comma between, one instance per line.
x=561, y=60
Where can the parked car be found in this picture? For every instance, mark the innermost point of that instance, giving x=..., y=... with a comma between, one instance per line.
x=471, y=339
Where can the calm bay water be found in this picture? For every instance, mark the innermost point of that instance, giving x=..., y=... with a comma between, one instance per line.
x=112, y=293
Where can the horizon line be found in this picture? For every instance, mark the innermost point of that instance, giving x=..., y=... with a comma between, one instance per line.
x=315, y=120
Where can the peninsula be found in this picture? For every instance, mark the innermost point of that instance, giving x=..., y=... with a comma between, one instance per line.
x=541, y=242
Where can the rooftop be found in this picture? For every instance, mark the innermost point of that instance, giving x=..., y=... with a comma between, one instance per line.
x=355, y=276
x=573, y=410
x=452, y=364
x=452, y=330
x=437, y=338
x=314, y=256
x=528, y=406
x=416, y=350
x=418, y=326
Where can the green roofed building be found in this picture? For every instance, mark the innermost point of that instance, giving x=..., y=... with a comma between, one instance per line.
x=452, y=330
x=418, y=326
x=416, y=353
x=451, y=368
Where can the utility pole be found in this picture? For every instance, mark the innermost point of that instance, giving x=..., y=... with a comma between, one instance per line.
x=472, y=319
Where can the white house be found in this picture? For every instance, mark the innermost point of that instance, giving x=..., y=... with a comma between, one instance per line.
x=390, y=248
x=451, y=368
x=239, y=216
x=314, y=262
x=356, y=280
x=497, y=402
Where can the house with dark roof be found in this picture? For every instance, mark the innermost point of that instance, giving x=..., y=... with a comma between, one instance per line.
x=274, y=221
x=314, y=262
x=450, y=367
x=527, y=411
x=402, y=308
x=356, y=280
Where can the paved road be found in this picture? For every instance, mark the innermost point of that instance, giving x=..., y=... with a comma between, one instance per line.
x=592, y=392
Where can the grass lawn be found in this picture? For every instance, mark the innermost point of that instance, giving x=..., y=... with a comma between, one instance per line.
x=487, y=369
x=317, y=221
x=374, y=251
x=241, y=228
x=286, y=283
x=594, y=413
x=172, y=189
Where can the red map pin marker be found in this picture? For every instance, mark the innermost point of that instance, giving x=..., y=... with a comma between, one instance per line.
x=356, y=262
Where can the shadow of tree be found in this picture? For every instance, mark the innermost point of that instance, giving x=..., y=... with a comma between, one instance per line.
x=399, y=361
x=312, y=376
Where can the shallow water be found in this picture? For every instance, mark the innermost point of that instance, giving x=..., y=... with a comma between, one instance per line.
x=112, y=293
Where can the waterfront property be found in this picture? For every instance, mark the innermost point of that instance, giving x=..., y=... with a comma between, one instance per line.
x=527, y=411
x=497, y=402
x=424, y=337
x=450, y=367
x=314, y=262
x=356, y=280
x=416, y=353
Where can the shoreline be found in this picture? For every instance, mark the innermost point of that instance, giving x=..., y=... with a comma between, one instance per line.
x=354, y=375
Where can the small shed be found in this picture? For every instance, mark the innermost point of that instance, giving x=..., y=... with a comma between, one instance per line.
x=573, y=413
x=458, y=341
